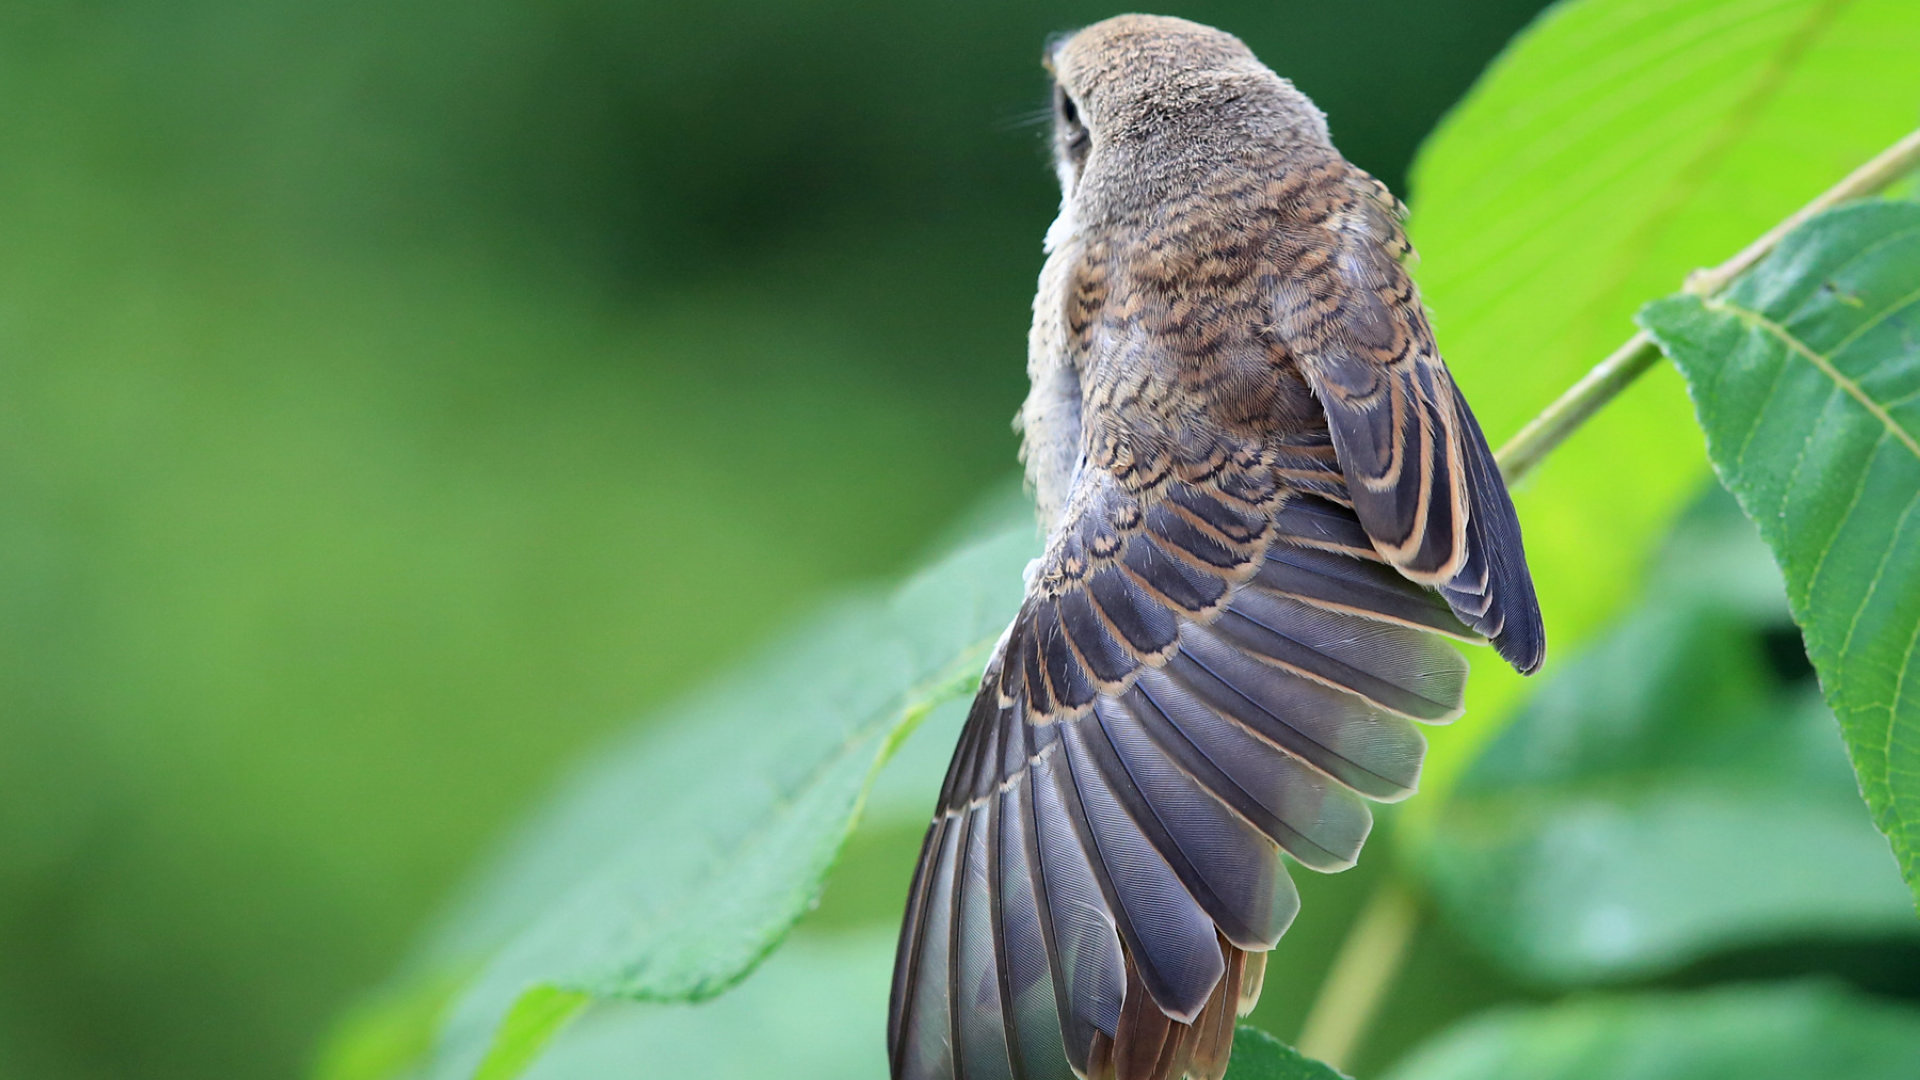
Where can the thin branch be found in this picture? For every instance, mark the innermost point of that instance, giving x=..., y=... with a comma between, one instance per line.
x=1626, y=363
x=1357, y=983
x=1575, y=407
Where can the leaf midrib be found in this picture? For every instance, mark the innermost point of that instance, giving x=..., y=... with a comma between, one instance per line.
x=1824, y=365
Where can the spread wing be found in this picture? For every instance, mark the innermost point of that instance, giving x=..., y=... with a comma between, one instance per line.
x=1419, y=473
x=1221, y=659
x=1210, y=669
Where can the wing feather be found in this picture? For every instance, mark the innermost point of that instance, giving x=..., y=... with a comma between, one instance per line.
x=1494, y=592
x=978, y=1021
x=1418, y=470
x=1097, y=890
x=1221, y=657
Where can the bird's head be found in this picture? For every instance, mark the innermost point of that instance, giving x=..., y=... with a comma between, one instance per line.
x=1167, y=85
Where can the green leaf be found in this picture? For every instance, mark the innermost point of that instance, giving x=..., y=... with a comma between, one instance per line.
x=816, y=1010
x=1666, y=795
x=1259, y=1056
x=387, y=1033
x=1788, y=1032
x=1806, y=377
x=1616, y=146
x=674, y=863
x=536, y=1017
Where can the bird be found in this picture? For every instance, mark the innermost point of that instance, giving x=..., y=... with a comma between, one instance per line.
x=1267, y=509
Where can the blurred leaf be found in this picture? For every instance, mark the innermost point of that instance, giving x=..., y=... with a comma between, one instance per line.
x=1750, y=1033
x=536, y=1017
x=1664, y=795
x=1806, y=375
x=1615, y=146
x=674, y=864
x=816, y=1010
x=1259, y=1056
x=387, y=1033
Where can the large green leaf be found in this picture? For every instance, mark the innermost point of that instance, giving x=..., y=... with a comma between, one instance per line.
x=1791, y=1032
x=1667, y=794
x=676, y=862
x=1806, y=377
x=1617, y=145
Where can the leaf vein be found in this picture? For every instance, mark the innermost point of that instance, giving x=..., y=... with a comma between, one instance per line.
x=1874, y=408
x=1859, y=489
x=1879, y=570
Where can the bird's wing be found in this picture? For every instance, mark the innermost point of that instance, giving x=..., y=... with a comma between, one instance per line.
x=1418, y=470
x=1220, y=659
x=1209, y=668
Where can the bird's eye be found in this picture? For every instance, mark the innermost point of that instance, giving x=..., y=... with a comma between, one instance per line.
x=1072, y=142
x=1063, y=104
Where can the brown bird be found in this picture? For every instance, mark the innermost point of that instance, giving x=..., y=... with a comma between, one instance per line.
x=1266, y=504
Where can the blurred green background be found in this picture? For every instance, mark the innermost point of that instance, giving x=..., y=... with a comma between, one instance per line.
x=396, y=397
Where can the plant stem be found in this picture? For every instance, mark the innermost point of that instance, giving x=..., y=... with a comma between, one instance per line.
x=1369, y=960
x=1626, y=363
x=1576, y=406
